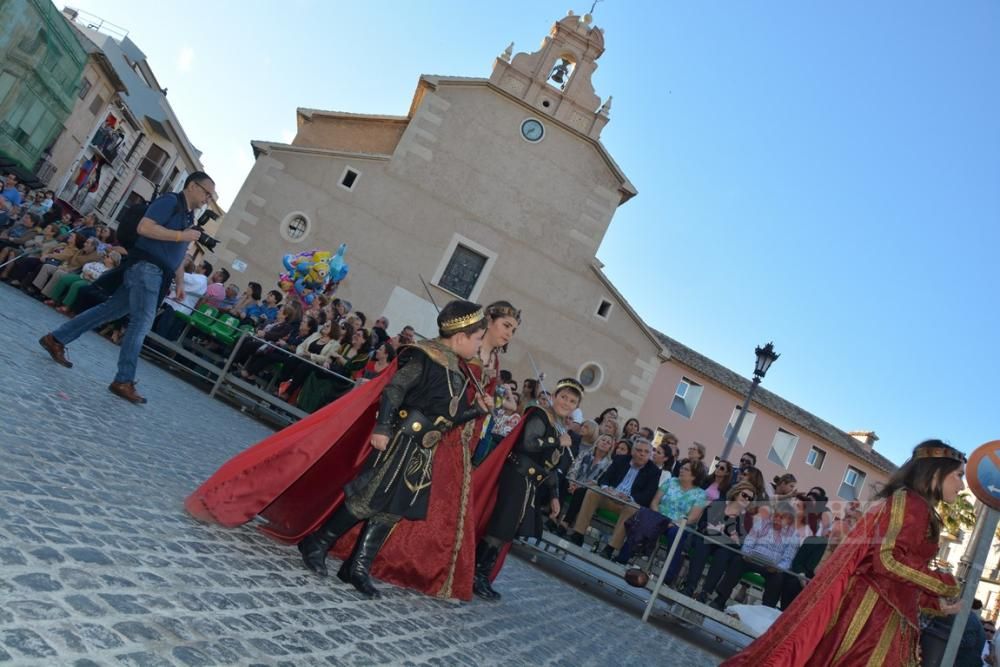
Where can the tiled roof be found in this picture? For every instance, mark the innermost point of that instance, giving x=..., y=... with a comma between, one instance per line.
x=793, y=413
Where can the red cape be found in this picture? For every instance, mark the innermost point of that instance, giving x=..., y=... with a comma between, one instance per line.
x=295, y=480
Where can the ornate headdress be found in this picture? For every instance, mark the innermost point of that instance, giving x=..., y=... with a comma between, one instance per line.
x=459, y=323
x=935, y=451
x=503, y=309
x=570, y=383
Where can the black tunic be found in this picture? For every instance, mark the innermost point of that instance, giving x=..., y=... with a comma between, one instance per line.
x=396, y=481
x=531, y=463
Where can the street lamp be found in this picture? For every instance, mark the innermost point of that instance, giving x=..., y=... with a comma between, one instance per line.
x=765, y=357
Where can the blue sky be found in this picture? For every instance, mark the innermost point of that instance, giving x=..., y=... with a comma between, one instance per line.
x=824, y=175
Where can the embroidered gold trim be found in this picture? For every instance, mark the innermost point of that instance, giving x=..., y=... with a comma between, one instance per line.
x=857, y=623
x=843, y=601
x=885, y=641
x=923, y=579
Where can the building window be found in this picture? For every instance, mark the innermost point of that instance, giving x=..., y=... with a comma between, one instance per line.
x=686, y=397
x=782, y=448
x=349, y=178
x=464, y=268
x=591, y=375
x=96, y=105
x=815, y=458
x=604, y=309
x=295, y=227
x=854, y=482
x=741, y=437
x=84, y=88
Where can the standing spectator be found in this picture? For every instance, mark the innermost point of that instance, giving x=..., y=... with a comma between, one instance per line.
x=216, y=292
x=168, y=324
x=989, y=649
x=165, y=231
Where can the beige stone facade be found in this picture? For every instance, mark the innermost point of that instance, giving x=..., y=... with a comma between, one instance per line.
x=508, y=171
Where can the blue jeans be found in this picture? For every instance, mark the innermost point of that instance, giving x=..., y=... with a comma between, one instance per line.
x=138, y=297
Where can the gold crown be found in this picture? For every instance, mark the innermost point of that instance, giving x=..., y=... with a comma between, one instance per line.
x=570, y=383
x=938, y=453
x=459, y=323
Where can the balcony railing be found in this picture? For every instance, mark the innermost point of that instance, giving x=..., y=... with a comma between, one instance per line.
x=45, y=170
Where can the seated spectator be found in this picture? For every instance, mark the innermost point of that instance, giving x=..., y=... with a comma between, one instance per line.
x=647, y=433
x=661, y=461
x=382, y=323
x=756, y=478
x=717, y=484
x=588, y=436
x=267, y=356
x=383, y=357
x=768, y=548
x=696, y=452
x=784, y=486
x=64, y=295
x=407, y=336
x=622, y=447
x=808, y=525
x=48, y=275
x=262, y=313
x=609, y=426
x=378, y=337
x=587, y=469
x=10, y=199
x=629, y=479
x=679, y=498
x=529, y=394
x=24, y=270
x=216, y=292
x=251, y=297
x=32, y=247
x=230, y=300
x=13, y=238
x=747, y=460
x=87, y=226
x=317, y=348
x=724, y=525
x=669, y=442
x=283, y=326
x=608, y=413
x=631, y=429
x=167, y=324
x=322, y=387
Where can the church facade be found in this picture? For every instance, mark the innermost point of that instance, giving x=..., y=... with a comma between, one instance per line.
x=488, y=188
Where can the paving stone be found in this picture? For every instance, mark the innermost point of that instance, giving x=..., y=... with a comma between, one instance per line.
x=38, y=581
x=27, y=643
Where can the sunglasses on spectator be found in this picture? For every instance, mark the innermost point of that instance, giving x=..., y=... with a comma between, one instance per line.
x=746, y=496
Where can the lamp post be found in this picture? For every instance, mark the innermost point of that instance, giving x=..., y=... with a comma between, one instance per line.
x=765, y=357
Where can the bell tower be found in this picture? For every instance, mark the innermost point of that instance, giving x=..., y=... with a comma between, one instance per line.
x=555, y=79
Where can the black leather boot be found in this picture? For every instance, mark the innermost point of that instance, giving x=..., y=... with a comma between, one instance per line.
x=486, y=559
x=315, y=545
x=357, y=569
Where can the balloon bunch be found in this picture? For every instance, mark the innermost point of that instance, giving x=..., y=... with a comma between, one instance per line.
x=311, y=272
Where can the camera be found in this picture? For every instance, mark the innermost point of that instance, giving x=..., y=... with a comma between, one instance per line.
x=206, y=241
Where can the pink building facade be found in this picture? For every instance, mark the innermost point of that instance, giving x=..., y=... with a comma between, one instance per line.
x=698, y=400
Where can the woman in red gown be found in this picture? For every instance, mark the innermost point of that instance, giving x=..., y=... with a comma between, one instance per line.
x=295, y=478
x=863, y=606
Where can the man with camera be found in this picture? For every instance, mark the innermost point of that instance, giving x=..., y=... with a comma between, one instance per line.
x=157, y=258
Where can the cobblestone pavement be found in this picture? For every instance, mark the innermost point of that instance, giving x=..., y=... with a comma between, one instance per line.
x=99, y=565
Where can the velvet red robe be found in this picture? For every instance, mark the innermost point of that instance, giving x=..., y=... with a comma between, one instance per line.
x=863, y=605
x=295, y=480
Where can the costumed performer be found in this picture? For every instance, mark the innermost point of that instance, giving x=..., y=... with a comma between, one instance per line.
x=425, y=399
x=437, y=555
x=538, y=445
x=863, y=606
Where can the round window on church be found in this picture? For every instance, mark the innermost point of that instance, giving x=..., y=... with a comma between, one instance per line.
x=591, y=375
x=295, y=227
